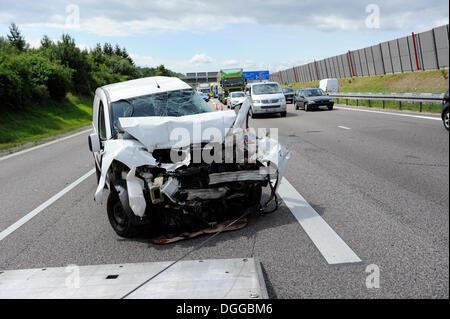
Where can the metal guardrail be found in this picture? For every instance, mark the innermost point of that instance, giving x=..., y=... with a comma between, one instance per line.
x=398, y=97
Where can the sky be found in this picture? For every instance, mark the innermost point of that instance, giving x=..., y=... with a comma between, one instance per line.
x=208, y=35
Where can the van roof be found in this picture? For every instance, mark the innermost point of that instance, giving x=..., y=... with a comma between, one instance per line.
x=260, y=83
x=144, y=86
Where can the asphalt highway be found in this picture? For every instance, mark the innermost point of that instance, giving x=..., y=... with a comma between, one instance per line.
x=380, y=181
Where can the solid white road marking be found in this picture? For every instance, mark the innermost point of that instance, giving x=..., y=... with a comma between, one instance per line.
x=330, y=245
x=391, y=113
x=43, y=145
x=344, y=127
x=43, y=206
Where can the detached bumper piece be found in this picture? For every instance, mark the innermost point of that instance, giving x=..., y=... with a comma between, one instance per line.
x=240, y=176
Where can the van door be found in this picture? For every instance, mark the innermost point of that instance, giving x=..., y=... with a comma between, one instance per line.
x=100, y=122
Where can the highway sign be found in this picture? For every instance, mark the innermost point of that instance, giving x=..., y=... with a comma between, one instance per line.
x=256, y=75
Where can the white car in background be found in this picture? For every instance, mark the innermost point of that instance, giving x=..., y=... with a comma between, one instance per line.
x=329, y=85
x=235, y=98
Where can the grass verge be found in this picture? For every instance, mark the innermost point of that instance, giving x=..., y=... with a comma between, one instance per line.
x=435, y=81
x=44, y=120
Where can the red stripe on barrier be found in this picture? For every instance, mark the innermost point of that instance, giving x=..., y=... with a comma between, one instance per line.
x=415, y=51
x=351, y=62
x=317, y=72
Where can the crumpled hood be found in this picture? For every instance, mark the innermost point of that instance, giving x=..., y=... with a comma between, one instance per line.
x=154, y=132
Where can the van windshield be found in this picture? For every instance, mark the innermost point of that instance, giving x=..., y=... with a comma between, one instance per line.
x=172, y=103
x=269, y=88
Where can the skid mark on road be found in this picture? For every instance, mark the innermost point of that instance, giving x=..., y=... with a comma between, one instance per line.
x=328, y=242
x=43, y=206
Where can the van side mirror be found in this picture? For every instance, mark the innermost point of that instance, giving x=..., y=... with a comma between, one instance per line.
x=94, y=142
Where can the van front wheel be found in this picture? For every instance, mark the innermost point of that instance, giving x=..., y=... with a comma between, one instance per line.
x=119, y=218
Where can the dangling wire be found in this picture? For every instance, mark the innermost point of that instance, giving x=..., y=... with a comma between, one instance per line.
x=273, y=196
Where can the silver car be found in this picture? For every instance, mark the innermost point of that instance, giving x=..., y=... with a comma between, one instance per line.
x=235, y=98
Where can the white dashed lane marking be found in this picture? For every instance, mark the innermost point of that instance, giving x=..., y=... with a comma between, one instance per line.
x=43, y=206
x=391, y=113
x=328, y=242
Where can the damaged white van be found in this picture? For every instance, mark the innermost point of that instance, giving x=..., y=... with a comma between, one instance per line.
x=172, y=164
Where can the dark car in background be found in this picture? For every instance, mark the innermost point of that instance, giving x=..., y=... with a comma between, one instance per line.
x=444, y=113
x=309, y=98
x=288, y=94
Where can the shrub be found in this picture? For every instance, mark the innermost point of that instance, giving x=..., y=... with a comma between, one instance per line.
x=59, y=81
x=15, y=82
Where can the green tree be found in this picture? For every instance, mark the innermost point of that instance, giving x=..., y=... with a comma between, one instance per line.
x=3, y=43
x=162, y=71
x=46, y=43
x=97, y=54
x=15, y=37
x=126, y=56
x=118, y=50
x=71, y=56
x=108, y=49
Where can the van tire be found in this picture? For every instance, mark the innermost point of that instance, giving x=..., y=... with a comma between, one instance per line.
x=283, y=114
x=119, y=218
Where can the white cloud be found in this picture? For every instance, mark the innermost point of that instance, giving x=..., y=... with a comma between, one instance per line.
x=34, y=43
x=202, y=62
x=230, y=63
x=115, y=18
x=197, y=63
x=201, y=58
